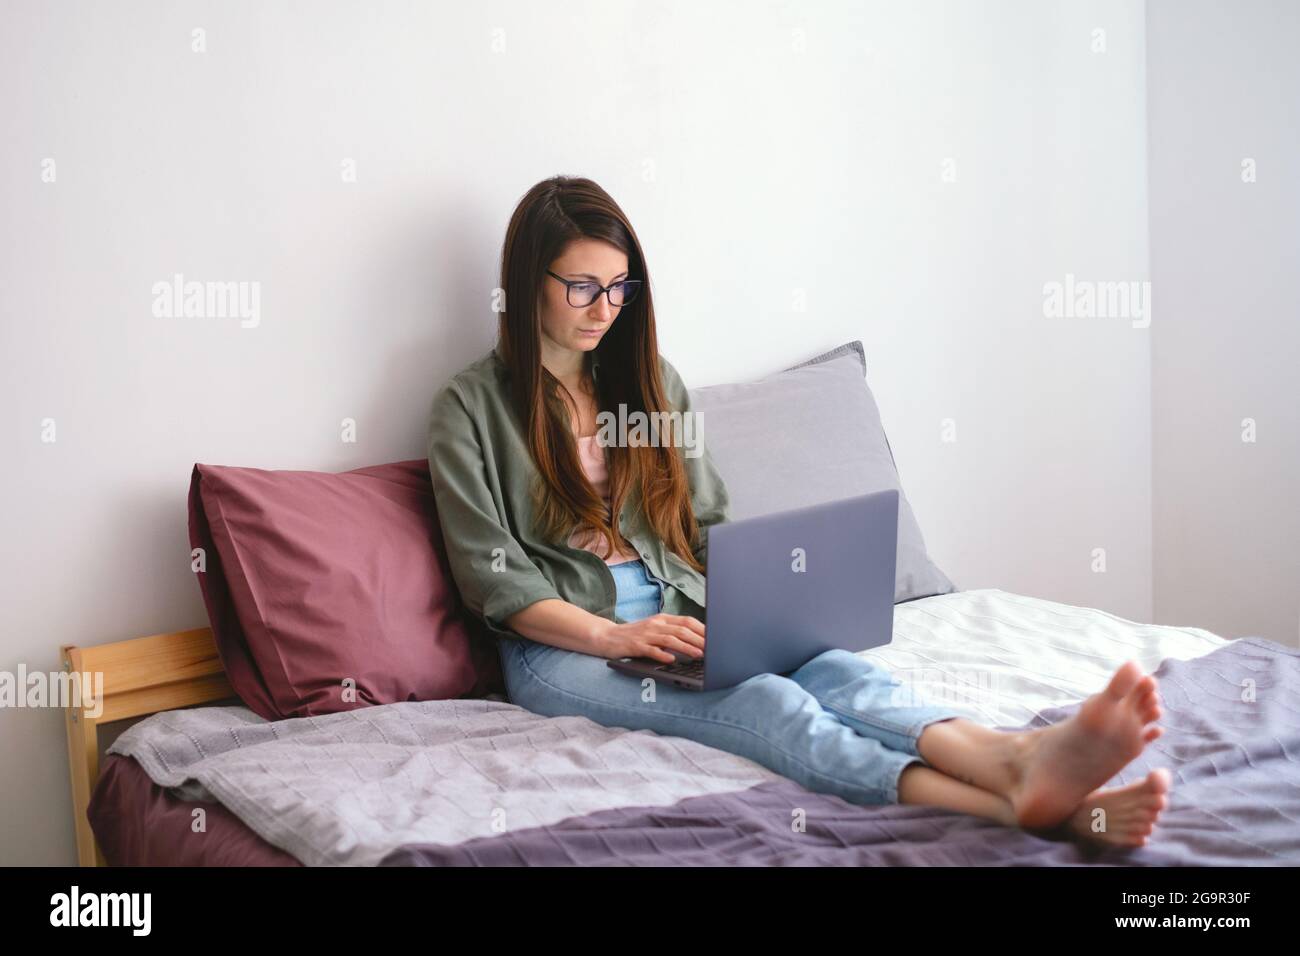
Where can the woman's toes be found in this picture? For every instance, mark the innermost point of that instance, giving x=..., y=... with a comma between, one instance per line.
x=1144, y=687
x=1151, y=734
x=1125, y=678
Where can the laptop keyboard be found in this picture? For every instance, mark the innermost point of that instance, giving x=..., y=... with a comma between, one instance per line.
x=692, y=667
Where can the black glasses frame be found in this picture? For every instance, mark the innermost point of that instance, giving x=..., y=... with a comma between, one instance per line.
x=631, y=288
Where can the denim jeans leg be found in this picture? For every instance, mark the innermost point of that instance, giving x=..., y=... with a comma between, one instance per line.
x=870, y=700
x=769, y=719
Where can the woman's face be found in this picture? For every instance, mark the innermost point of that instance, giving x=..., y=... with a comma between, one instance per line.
x=564, y=328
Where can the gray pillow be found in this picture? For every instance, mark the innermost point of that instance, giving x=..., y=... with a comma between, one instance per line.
x=807, y=435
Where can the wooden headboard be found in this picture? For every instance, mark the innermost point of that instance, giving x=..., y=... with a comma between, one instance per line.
x=141, y=677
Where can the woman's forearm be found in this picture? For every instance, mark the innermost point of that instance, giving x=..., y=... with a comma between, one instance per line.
x=561, y=624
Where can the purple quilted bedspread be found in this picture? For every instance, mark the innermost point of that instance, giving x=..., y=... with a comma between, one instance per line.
x=1231, y=740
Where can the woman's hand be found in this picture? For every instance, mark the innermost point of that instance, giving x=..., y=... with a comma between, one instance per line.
x=657, y=637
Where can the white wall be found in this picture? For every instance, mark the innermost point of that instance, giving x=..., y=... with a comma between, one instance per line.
x=770, y=154
x=1224, y=88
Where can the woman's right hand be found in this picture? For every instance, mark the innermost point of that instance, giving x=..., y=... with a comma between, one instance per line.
x=657, y=637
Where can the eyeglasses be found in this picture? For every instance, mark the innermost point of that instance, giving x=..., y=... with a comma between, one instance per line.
x=580, y=293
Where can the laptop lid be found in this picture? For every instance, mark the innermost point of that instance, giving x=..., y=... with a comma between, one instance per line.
x=783, y=588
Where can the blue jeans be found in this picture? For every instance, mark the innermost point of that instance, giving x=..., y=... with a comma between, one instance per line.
x=831, y=725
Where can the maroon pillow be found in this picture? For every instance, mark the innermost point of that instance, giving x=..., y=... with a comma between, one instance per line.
x=315, y=579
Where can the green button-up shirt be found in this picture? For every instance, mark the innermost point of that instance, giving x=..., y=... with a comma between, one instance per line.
x=482, y=469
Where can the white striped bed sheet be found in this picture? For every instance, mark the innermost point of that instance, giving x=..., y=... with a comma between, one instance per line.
x=1005, y=657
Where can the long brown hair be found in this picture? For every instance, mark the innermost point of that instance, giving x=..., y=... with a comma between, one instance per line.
x=551, y=215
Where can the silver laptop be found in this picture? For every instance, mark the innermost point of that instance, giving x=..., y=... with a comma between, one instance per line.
x=782, y=588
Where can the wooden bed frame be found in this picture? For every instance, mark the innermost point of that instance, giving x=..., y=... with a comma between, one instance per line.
x=141, y=677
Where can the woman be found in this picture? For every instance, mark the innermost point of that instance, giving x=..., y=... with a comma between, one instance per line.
x=574, y=549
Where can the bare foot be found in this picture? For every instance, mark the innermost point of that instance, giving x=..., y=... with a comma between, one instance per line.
x=1059, y=766
x=1121, y=816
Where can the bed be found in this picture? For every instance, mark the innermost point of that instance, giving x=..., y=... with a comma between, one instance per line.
x=203, y=780
x=313, y=577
